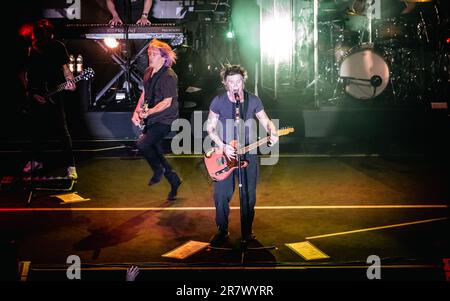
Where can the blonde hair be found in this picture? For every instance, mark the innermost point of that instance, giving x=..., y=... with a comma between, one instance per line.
x=170, y=57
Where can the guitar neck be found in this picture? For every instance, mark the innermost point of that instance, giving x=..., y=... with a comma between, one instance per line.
x=254, y=145
x=264, y=140
x=61, y=87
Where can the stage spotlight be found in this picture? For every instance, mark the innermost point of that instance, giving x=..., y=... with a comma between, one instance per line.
x=111, y=43
x=230, y=34
x=26, y=30
x=277, y=40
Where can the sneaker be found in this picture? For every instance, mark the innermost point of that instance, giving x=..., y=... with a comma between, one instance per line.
x=72, y=173
x=156, y=178
x=250, y=237
x=175, y=183
x=219, y=238
x=173, y=190
x=35, y=167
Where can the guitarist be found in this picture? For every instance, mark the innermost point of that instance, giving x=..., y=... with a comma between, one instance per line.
x=47, y=67
x=222, y=110
x=158, y=108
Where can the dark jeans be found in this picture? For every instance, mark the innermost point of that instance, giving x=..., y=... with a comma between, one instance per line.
x=223, y=192
x=150, y=147
x=50, y=119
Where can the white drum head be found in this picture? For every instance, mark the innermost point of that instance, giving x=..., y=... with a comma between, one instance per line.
x=358, y=68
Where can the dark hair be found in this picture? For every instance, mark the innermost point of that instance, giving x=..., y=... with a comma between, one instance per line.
x=43, y=30
x=228, y=70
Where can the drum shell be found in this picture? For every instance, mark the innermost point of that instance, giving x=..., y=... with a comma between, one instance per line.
x=363, y=63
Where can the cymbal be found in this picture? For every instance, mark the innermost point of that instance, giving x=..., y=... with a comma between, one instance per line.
x=417, y=1
x=353, y=13
x=329, y=10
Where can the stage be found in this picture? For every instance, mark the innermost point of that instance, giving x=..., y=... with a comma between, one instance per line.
x=360, y=188
x=349, y=206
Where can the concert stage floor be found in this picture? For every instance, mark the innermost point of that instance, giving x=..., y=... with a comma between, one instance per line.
x=349, y=207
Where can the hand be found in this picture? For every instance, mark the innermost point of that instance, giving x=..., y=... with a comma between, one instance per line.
x=135, y=119
x=70, y=85
x=229, y=151
x=144, y=113
x=115, y=21
x=273, y=139
x=143, y=21
x=39, y=99
x=132, y=273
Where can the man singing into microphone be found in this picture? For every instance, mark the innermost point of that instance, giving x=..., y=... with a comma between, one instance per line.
x=223, y=109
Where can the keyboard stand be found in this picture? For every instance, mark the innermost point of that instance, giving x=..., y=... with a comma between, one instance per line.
x=124, y=68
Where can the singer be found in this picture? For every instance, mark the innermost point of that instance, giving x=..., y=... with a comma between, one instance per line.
x=236, y=104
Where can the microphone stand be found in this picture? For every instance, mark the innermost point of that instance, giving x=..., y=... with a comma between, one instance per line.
x=127, y=41
x=371, y=80
x=238, y=138
x=243, y=246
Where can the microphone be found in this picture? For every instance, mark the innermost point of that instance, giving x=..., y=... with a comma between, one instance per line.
x=236, y=96
x=376, y=81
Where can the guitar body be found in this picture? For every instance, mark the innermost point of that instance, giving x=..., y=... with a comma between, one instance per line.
x=31, y=102
x=143, y=121
x=219, y=166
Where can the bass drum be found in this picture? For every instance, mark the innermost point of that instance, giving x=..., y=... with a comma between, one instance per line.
x=365, y=73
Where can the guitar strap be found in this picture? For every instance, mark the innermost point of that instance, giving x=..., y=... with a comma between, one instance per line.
x=245, y=105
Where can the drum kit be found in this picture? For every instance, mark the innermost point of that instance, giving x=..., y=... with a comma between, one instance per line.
x=385, y=56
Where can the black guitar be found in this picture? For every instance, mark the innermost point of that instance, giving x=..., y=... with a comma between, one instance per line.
x=48, y=93
x=143, y=121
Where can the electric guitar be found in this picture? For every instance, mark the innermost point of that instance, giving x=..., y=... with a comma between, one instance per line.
x=220, y=167
x=48, y=93
x=143, y=121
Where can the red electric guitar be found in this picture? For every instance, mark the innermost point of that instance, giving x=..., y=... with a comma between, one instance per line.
x=220, y=167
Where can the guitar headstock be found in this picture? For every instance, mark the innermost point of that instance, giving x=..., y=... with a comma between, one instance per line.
x=285, y=131
x=86, y=74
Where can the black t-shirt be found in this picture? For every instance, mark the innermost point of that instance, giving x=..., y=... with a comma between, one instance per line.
x=226, y=109
x=166, y=86
x=137, y=7
x=45, y=67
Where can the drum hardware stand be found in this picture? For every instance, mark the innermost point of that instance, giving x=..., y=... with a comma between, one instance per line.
x=317, y=80
x=369, y=13
x=339, y=82
x=375, y=81
x=423, y=25
x=316, y=54
x=394, y=92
